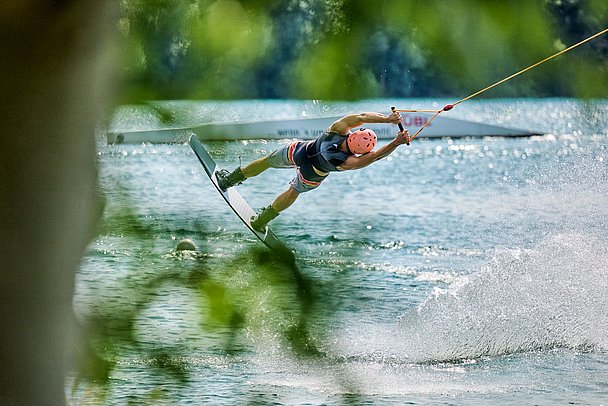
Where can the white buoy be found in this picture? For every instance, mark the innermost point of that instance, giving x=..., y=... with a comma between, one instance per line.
x=186, y=245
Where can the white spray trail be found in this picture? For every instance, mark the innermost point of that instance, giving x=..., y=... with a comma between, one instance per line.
x=554, y=296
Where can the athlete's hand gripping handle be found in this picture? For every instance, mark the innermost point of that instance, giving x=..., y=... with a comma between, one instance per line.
x=399, y=123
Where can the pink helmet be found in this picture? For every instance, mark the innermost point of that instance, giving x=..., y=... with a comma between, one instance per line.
x=361, y=141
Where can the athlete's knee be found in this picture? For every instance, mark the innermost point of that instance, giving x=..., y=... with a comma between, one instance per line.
x=256, y=167
x=285, y=199
x=266, y=160
x=264, y=163
x=292, y=192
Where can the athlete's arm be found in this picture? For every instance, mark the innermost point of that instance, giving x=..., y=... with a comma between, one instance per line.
x=357, y=162
x=343, y=125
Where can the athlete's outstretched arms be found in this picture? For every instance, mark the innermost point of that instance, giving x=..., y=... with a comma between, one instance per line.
x=361, y=161
x=344, y=125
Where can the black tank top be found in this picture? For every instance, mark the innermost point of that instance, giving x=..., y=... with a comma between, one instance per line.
x=323, y=153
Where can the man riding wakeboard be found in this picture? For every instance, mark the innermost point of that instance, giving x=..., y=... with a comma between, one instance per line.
x=337, y=149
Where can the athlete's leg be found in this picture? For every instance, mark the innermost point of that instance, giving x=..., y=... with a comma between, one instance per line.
x=239, y=175
x=285, y=199
x=268, y=213
x=256, y=167
x=280, y=158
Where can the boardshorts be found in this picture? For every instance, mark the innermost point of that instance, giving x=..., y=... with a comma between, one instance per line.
x=306, y=178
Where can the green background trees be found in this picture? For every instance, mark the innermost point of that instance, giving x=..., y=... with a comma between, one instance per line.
x=339, y=49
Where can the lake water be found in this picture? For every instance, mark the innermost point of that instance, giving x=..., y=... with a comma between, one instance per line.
x=456, y=271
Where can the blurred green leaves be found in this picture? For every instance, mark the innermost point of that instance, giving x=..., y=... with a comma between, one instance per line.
x=247, y=296
x=337, y=49
x=227, y=30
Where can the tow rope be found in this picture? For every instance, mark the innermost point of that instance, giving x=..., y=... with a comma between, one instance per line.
x=449, y=107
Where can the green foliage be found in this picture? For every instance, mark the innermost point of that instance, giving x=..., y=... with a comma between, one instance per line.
x=343, y=49
x=257, y=292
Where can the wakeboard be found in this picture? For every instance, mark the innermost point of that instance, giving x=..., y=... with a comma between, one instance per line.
x=233, y=198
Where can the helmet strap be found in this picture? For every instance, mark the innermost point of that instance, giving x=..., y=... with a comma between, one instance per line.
x=347, y=146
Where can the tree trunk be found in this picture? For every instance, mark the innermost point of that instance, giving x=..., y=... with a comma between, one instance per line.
x=50, y=84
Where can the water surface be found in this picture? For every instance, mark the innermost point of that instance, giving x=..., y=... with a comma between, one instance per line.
x=464, y=271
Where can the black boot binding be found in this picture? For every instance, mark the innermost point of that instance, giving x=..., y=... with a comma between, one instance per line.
x=226, y=180
x=259, y=221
